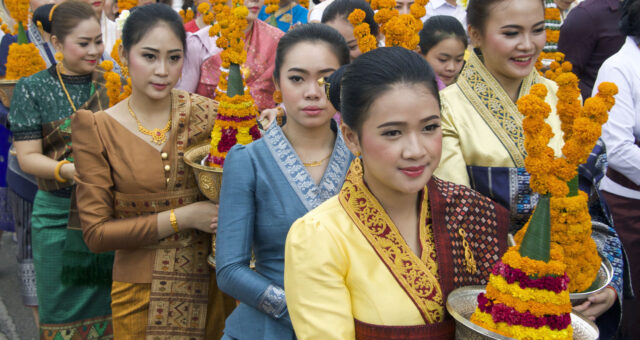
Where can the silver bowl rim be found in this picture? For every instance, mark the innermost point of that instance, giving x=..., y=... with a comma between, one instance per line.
x=608, y=268
x=197, y=165
x=482, y=331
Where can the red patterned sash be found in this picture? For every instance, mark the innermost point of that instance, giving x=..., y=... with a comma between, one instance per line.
x=438, y=331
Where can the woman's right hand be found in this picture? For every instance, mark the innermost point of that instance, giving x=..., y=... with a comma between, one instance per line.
x=68, y=171
x=200, y=215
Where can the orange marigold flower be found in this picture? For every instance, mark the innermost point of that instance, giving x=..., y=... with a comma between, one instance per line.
x=356, y=17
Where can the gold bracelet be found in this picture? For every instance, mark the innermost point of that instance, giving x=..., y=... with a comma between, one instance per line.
x=174, y=221
x=56, y=172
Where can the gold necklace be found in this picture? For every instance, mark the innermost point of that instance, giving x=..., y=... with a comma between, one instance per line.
x=158, y=136
x=316, y=163
x=64, y=88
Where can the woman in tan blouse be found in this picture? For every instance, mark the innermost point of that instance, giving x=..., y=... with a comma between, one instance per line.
x=137, y=196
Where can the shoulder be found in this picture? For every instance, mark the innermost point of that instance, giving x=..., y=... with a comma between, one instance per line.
x=326, y=219
x=268, y=30
x=459, y=194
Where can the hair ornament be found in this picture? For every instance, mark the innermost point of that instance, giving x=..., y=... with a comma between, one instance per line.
x=51, y=12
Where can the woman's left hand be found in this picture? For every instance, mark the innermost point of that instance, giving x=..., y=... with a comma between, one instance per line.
x=597, y=304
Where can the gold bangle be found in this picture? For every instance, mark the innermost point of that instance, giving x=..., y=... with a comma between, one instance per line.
x=56, y=172
x=174, y=221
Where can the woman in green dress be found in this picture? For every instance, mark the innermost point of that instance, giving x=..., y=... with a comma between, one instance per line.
x=40, y=121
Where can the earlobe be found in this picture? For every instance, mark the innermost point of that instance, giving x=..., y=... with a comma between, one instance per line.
x=474, y=36
x=350, y=138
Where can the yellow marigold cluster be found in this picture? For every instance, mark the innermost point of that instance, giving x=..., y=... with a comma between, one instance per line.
x=113, y=83
x=540, y=157
x=272, y=6
x=186, y=16
x=126, y=89
x=553, y=36
x=398, y=30
x=126, y=5
x=418, y=10
x=18, y=10
x=571, y=231
x=557, y=68
x=5, y=28
x=23, y=60
x=552, y=14
x=520, y=332
x=362, y=31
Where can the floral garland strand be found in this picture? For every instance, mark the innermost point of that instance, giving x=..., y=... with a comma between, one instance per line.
x=304, y=3
x=362, y=31
x=187, y=15
x=399, y=30
x=552, y=22
x=126, y=5
x=113, y=83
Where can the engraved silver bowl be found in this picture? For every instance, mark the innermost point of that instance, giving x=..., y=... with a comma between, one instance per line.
x=462, y=302
x=602, y=280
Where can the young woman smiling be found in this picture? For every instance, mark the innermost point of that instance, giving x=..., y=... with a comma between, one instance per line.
x=378, y=260
x=271, y=182
x=136, y=195
x=40, y=117
x=483, y=140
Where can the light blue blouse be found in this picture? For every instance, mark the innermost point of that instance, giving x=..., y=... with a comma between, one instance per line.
x=265, y=188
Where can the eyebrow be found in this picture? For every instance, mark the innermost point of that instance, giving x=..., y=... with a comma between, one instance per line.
x=520, y=26
x=89, y=38
x=158, y=51
x=301, y=70
x=424, y=120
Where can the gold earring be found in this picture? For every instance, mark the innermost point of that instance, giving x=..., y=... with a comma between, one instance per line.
x=357, y=154
x=277, y=96
x=125, y=71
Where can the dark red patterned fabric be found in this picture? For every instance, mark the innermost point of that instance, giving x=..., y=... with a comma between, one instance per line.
x=486, y=225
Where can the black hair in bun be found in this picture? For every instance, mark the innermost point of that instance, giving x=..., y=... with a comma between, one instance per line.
x=332, y=86
x=42, y=14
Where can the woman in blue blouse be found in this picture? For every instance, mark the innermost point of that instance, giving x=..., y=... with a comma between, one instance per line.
x=289, y=13
x=270, y=183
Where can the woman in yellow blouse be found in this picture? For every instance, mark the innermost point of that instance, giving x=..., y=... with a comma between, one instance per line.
x=379, y=259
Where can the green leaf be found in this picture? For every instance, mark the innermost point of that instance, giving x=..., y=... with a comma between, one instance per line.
x=22, y=35
x=235, y=86
x=536, y=241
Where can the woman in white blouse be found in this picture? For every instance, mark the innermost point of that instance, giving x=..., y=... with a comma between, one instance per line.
x=621, y=135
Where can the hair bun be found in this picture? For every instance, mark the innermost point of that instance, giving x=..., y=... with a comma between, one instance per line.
x=43, y=14
x=332, y=86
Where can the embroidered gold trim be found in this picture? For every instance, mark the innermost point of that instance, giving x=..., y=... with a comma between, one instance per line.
x=494, y=105
x=413, y=275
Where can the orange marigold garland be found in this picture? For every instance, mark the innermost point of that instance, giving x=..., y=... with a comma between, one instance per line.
x=24, y=58
x=187, y=15
x=570, y=219
x=113, y=83
x=304, y=3
x=126, y=5
x=552, y=22
x=237, y=113
x=399, y=30
x=362, y=31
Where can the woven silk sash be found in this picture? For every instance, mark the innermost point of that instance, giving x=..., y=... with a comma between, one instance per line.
x=417, y=276
x=494, y=105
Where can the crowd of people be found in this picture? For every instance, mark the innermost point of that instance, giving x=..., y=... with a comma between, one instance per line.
x=382, y=181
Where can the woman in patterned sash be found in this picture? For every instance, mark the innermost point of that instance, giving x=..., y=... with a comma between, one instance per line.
x=483, y=141
x=378, y=260
x=137, y=196
x=40, y=118
x=271, y=182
